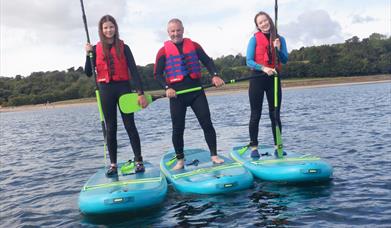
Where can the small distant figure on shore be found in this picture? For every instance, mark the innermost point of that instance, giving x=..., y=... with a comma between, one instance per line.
x=48, y=104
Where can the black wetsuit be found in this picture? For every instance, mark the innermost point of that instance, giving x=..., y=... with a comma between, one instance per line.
x=196, y=100
x=109, y=95
x=258, y=87
x=263, y=84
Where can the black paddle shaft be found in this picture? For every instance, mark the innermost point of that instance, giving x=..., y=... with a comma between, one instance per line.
x=90, y=54
x=88, y=41
x=276, y=61
x=275, y=14
x=232, y=81
x=212, y=85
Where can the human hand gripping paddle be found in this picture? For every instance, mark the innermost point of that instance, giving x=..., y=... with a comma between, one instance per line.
x=128, y=103
x=90, y=54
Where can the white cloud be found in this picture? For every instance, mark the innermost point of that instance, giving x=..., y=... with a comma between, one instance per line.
x=312, y=28
x=361, y=19
x=41, y=35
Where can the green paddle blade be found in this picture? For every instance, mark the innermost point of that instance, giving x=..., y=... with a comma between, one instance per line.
x=128, y=103
x=171, y=161
x=244, y=149
x=127, y=168
x=279, y=143
x=280, y=152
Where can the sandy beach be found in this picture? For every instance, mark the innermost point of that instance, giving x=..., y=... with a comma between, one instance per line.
x=286, y=84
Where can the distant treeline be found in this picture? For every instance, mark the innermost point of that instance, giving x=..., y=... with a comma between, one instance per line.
x=369, y=56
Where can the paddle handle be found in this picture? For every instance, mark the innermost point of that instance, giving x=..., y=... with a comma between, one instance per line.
x=90, y=54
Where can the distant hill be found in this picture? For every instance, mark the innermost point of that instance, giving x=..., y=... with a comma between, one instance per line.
x=369, y=56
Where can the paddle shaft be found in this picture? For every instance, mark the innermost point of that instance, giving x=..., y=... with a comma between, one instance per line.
x=128, y=103
x=278, y=130
x=90, y=54
x=232, y=81
x=97, y=94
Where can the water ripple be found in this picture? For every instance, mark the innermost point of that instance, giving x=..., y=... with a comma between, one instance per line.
x=47, y=155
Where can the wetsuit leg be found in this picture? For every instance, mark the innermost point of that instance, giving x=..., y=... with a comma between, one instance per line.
x=201, y=110
x=255, y=93
x=128, y=120
x=178, y=114
x=133, y=135
x=109, y=108
x=274, y=113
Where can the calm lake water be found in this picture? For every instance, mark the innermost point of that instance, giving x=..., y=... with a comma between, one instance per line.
x=47, y=156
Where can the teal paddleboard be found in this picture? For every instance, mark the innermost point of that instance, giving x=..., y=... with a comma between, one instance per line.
x=201, y=176
x=293, y=167
x=130, y=192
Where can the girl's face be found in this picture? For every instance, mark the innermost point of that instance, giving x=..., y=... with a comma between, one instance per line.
x=263, y=23
x=108, y=29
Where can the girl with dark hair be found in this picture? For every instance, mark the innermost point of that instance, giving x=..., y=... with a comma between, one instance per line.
x=262, y=49
x=116, y=68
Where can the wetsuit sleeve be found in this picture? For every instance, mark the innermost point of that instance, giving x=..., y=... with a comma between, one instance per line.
x=138, y=85
x=250, y=55
x=206, y=60
x=87, y=66
x=283, y=53
x=160, y=65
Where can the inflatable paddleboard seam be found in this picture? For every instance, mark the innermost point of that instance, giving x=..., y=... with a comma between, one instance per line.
x=139, y=181
x=299, y=159
x=205, y=170
x=236, y=159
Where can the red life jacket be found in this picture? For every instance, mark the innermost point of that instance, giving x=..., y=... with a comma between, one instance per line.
x=121, y=72
x=180, y=65
x=261, y=56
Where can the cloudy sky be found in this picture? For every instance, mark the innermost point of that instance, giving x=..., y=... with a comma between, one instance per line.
x=46, y=35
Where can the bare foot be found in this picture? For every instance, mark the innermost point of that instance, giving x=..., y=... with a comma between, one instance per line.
x=216, y=160
x=179, y=164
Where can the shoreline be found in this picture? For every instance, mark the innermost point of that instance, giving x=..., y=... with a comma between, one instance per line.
x=243, y=86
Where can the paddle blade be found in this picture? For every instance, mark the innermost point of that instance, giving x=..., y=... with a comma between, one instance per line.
x=171, y=161
x=127, y=168
x=242, y=150
x=280, y=152
x=128, y=103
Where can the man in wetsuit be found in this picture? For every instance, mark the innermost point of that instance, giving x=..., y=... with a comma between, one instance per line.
x=177, y=68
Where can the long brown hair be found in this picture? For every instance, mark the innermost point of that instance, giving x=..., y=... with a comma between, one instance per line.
x=272, y=30
x=103, y=39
